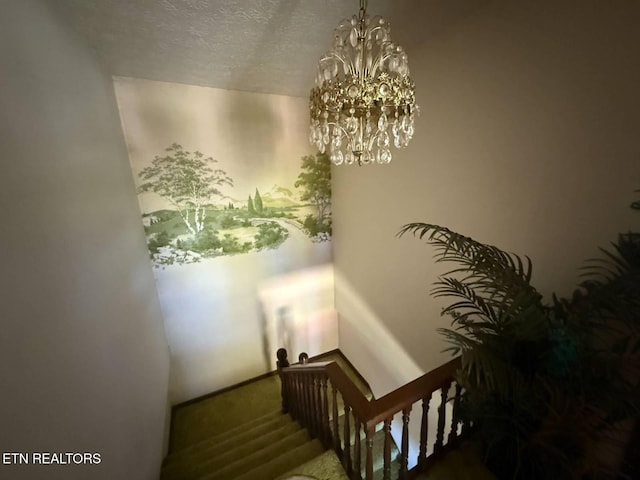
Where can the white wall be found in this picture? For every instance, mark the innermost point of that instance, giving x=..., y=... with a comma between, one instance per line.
x=84, y=358
x=528, y=140
x=226, y=315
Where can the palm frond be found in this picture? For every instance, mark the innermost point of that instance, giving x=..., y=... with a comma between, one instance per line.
x=476, y=364
x=492, y=286
x=636, y=205
x=536, y=377
x=472, y=303
x=506, y=270
x=606, y=269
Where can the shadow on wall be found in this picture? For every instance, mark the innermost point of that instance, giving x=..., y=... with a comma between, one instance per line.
x=369, y=344
x=385, y=365
x=298, y=313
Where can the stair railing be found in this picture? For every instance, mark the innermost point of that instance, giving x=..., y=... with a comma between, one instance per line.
x=311, y=393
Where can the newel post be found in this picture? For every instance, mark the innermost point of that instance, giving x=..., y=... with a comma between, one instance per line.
x=283, y=362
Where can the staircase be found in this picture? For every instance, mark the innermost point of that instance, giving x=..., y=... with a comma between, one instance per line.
x=219, y=439
x=263, y=449
x=333, y=429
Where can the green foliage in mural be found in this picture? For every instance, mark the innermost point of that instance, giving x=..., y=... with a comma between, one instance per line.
x=271, y=235
x=206, y=242
x=315, y=182
x=229, y=221
x=316, y=228
x=187, y=181
x=257, y=202
x=202, y=222
x=231, y=245
x=158, y=240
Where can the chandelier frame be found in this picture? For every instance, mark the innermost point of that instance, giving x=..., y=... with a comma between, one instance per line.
x=364, y=94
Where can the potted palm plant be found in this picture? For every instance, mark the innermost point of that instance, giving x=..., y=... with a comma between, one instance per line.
x=548, y=386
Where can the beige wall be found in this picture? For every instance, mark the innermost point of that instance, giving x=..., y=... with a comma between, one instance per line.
x=84, y=358
x=528, y=140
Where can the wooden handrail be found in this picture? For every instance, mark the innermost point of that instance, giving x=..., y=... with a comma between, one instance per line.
x=389, y=404
x=410, y=393
x=304, y=390
x=351, y=395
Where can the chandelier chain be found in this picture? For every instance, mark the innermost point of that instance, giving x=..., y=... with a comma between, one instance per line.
x=363, y=9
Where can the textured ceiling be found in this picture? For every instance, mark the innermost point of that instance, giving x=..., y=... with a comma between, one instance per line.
x=269, y=46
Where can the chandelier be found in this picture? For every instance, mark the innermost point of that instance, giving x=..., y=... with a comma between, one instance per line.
x=364, y=98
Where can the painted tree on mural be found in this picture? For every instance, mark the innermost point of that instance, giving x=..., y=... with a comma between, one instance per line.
x=257, y=202
x=315, y=182
x=187, y=180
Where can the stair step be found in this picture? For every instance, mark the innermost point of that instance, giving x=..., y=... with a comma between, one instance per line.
x=281, y=464
x=250, y=424
x=191, y=460
x=254, y=447
x=352, y=428
x=236, y=465
x=378, y=454
x=218, y=437
x=379, y=473
x=326, y=466
x=218, y=444
x=224, y=411
x=378, y=450
x=261, y=457
x=206, y=445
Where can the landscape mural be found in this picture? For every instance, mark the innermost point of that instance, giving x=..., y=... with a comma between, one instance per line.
x=208, y=220
x=235, y=206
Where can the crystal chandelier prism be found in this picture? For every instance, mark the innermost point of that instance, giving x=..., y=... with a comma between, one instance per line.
x=364, y=98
